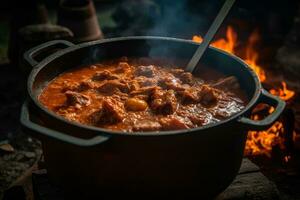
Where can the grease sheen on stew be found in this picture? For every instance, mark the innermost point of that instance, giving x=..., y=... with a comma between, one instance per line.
x=142, y=95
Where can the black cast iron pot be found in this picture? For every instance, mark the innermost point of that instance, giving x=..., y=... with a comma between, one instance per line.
x=98, y=162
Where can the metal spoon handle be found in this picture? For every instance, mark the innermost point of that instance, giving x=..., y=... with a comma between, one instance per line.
x=210, y=35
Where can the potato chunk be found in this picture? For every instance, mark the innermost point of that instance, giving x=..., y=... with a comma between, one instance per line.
x=135, y=104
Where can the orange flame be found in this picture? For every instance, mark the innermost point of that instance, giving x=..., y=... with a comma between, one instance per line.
x=252, y=56
x=261, y=142
x=258, y=142
x=284, y=93
x=229, y=44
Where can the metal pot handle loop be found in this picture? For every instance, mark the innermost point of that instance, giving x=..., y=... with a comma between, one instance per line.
x=28, y=124
x=33, y=52
x=271, y=100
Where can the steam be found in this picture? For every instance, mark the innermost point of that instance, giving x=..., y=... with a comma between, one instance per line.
x=173, y=15
x=178, y=20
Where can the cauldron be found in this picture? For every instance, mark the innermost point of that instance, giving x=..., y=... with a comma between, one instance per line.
x=96, y=162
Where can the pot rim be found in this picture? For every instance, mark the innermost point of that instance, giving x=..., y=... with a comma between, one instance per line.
x=234, y=117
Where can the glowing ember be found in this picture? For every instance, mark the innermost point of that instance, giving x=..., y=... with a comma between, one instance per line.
x=258, y=142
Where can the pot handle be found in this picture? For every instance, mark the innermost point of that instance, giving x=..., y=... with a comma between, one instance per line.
x=31, y=126
x=271, y=100
x=33, y=52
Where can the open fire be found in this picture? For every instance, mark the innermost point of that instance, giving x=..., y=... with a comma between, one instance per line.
x=258, y=142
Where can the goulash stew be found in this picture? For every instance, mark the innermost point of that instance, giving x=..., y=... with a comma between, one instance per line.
x=142, y=95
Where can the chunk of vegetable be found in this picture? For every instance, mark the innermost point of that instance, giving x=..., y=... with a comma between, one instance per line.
x=135, y=104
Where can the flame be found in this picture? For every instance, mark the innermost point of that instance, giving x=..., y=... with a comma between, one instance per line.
x=258, y=142
x=284, y=93
x=252, y=56
x=261, y=142
x=229, y=43
x=197, y=38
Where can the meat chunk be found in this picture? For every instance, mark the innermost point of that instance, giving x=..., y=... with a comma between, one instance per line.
x=122, y=67
x=87, y=84
x=173, y=123
x=77, y=99
x=112, y=86
x=177, y=72
x=134, y=85
x=145, y=91
x=208, y=96
x=190, y=95
x=135, y=104
x=147, y=126
x=112, y=111
x=163, y=102
x=104, y=75
x=187, y=77
x=69, y=86
x=171, y=83
x=146, y=82
x=79, y=86
x=147, y=71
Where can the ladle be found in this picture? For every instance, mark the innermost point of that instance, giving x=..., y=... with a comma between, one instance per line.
x=209, y=35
